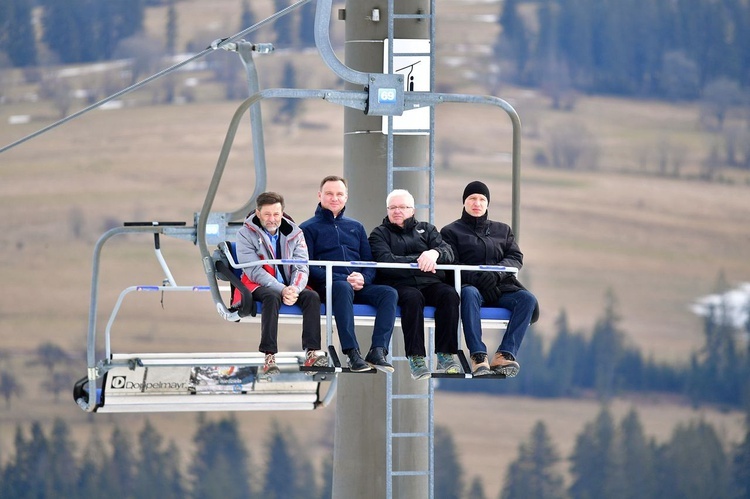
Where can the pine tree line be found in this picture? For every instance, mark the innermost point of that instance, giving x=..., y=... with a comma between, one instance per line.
x=47, y=466
x=656, y=48
x=620, y=462
x=605, y=363
x=80, y=31
x=609, y=460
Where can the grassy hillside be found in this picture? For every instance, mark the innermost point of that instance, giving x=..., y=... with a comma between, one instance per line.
x=657, y=242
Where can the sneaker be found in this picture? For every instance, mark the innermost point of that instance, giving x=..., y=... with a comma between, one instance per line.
x=418, y=367
x=504, y=363
x=479, y=364
x=270, y=367
x=376, y=358
x=315, y=358
x=356, y=364
x=447, y=364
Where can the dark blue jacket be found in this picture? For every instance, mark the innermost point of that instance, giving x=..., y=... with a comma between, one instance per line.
x=336, y=238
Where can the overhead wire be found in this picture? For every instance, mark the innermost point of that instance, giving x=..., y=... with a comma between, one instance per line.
x=215, y=45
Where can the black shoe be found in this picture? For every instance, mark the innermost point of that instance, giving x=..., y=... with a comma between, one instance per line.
x=356, y=364
x=376, y=358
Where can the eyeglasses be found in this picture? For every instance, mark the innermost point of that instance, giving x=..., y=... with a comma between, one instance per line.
x=399, y=208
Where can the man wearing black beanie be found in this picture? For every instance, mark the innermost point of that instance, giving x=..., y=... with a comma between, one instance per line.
x=476, y=240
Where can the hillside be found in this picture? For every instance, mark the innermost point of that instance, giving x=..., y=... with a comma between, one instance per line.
x=657, y=242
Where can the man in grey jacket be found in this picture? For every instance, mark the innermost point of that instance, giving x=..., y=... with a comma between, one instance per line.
x=268, y=234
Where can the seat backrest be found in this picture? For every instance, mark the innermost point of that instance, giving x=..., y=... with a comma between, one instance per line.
x=233, y=250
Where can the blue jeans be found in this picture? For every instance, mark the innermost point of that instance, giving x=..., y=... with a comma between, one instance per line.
x=383, y=298
x=521, y=305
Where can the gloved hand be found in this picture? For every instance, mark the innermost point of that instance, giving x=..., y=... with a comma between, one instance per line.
x=490, y=295
x=485, y=280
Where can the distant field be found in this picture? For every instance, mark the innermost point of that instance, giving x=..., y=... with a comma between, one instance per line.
x=657, y=243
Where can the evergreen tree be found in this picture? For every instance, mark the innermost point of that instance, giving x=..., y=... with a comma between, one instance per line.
x=171, y=49
x=290, y=107
x=739, y=14
x=12, y=483
x=282, y=474
x=27, y=475
x=247, y=17
x=171, y=46
x=513, y=39
x=119, y=471
x=606, y=350
x=449, y=481
x=693, y=464
x=60, y=30
x=17, y=37
x=174, y=483
x=563, y=360
x=63, y=467
x=718, y=372
x=221, y=461
x=593, y=459
x=476, y=489
x=89, y=30
x=326, y=491
x=283, y=25
x=637, y=460
x=646, y=44
x=741, y=462
x=92, y=479
x=533, y=474
x=534, y=360
x=307, y=25
x=157, y=469
x=107, y=36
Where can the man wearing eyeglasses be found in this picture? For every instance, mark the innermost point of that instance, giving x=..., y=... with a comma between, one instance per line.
x=403, y=239
x=332, y=236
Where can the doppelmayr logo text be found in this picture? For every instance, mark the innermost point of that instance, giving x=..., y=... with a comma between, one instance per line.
x=121, y=382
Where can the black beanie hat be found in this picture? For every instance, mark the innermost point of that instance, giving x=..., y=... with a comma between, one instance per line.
x=477, y=187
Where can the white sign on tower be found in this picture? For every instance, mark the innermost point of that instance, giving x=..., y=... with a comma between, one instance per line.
x=414, y=65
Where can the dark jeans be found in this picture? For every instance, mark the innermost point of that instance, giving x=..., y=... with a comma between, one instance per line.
x=521, y=305
x=446, y=302
x=308, y=301
x=383, y=298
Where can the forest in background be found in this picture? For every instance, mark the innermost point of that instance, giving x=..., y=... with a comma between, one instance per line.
x=692, y=464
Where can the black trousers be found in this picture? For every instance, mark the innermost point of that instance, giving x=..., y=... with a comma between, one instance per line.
x=412, y=302
x=308, y=301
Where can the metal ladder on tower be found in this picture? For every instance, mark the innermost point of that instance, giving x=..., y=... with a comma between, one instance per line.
x=414, y=391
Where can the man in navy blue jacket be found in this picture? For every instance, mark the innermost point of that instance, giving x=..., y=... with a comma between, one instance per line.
x=332, y=236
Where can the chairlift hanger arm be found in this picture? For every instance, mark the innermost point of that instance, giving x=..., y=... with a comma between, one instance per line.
x=354, y=99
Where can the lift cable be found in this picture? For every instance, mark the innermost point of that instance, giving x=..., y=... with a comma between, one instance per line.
x=215, y=45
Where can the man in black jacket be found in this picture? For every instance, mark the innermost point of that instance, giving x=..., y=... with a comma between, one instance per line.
x=402, y=239
x=476, y=240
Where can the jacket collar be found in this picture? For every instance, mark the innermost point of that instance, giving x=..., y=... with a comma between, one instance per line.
x=472, y=221
x=409, y=224
x=285, y=228
x=327, y=214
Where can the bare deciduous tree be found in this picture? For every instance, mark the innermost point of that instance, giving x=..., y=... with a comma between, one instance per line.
x=571, y=146
x=9, y=387
x=720, y=96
